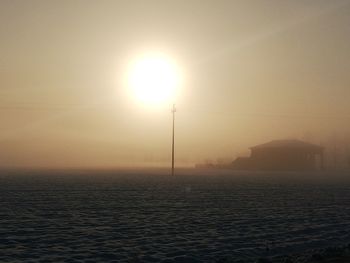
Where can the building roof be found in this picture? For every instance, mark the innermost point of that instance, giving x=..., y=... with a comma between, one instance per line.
x=290, y=144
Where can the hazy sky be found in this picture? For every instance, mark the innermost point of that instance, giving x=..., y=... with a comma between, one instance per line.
x=254, y=71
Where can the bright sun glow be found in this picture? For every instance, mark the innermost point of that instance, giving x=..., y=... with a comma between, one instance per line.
x=154, y=79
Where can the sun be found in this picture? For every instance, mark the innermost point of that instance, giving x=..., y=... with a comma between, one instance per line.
x=154, y=79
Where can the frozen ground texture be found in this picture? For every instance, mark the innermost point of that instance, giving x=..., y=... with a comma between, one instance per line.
x=149, y=216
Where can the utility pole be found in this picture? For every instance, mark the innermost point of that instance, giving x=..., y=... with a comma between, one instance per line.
x=173, y=110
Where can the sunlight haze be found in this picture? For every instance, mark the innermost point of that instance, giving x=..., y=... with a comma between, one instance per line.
x=250, y=72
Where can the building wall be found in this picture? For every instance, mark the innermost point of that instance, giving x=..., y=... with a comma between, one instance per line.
x=283, y=159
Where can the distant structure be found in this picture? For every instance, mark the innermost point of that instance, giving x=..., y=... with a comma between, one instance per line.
x=282, y=155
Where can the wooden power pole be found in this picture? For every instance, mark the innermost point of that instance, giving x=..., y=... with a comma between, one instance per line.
x=173, y=110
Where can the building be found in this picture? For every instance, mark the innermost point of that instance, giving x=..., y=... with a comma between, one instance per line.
x=282, y=155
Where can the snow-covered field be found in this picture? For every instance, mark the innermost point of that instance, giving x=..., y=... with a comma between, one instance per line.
x=149, y=216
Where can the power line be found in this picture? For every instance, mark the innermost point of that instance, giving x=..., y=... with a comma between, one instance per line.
x=267, y=115
x=186, y=111
x=47, y=108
